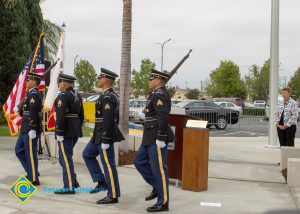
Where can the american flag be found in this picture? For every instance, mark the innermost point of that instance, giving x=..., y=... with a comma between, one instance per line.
x=35, y=64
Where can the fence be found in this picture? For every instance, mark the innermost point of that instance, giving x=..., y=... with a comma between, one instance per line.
x=215, y=116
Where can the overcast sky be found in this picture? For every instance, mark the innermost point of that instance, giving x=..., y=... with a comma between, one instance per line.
x=237, y=30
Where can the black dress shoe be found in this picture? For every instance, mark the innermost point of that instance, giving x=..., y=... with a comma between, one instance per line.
x=35, y=183
x=76, y=184
x=108, y=200
x=158, y=208
x=65, y=191
x=101, y=186
x=152, y=195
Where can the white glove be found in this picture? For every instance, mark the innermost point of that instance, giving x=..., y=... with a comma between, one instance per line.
x=32, y=134
x=60, y=138
x=104, y=146
x=142, y=115
x=16, y=109
x=160, y=144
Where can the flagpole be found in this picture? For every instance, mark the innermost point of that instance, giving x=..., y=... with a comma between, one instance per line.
x=43, y=136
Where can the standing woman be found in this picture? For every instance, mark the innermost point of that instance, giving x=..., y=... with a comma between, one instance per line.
x=286, y=118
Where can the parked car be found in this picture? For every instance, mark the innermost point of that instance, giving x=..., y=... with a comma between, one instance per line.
x=235, y=100
x=209, y=111
x=230, y=105
x=260, y=103
x=136, y=108
x=92, y=98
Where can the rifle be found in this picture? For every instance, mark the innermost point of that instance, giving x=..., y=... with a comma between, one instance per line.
x=50, y=68
x=173, y=71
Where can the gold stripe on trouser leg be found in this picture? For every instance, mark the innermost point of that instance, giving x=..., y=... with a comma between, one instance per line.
x=67, y=163
x=31, y=159
x=112, y=181
x=163, y=176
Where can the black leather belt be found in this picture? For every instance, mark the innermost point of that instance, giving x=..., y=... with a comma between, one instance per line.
x=150, y=118
x=72, y=115
x=99, y=119
x=27, y=113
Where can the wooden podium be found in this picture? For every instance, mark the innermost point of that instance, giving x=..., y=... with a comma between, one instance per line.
x=195, y=159
x=175, y=156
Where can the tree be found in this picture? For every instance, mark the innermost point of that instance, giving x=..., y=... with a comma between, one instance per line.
x=125, y=74
x=192, y=94
x=295, y=83
x=257, y=82
x=171, y=91
x=225, y=81
x=85, y=75
x=140, y=79
x=35, y=23
x=10, y=3
x=15, y=45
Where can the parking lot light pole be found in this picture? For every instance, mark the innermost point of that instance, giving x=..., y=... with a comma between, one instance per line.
x=162, y=53
x=274, y=65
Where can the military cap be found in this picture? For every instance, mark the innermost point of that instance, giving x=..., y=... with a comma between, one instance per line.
x=32, y=76
x=108, y=74
x=65, y=78
x=157, y=74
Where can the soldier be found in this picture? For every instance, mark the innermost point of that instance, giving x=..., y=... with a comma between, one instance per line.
x=31, y=111
x=69, y=120
x=106, y=132
x=151, y=159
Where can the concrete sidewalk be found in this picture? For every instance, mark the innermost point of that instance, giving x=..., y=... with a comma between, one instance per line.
x=243, y=178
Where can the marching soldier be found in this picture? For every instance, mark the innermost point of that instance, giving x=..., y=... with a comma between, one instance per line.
x=69, y=120
x=151, y=159
x=26, y=147
x=106, y=133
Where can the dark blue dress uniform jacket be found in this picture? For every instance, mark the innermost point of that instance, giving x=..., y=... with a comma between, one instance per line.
x=32, y=112
x=107, y=119
x=156, y=126
x=69, y=114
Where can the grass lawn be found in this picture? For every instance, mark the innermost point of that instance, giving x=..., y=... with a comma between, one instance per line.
x=4, y=131
x=87, y=132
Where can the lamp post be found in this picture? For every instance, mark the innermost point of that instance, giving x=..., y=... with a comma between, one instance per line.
x=162, y=53
x=75, y=62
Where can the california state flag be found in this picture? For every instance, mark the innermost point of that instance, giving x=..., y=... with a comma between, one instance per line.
x=53, y=87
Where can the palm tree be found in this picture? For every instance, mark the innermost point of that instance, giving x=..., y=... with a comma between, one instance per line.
x=125, y=73
x=52, y=34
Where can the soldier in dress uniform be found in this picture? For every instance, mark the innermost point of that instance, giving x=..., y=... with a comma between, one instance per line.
x=106, y=133
x=31, y=111
x=151, y=159
x=69, y=120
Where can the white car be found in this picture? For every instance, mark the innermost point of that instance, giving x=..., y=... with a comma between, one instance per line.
x=230, y=105
x=136, y=108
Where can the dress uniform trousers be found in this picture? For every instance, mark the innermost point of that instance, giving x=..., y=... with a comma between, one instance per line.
x=151, y=162
x=89, y=155
x=66, y=161
x=26, y=151
x=111, y=175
